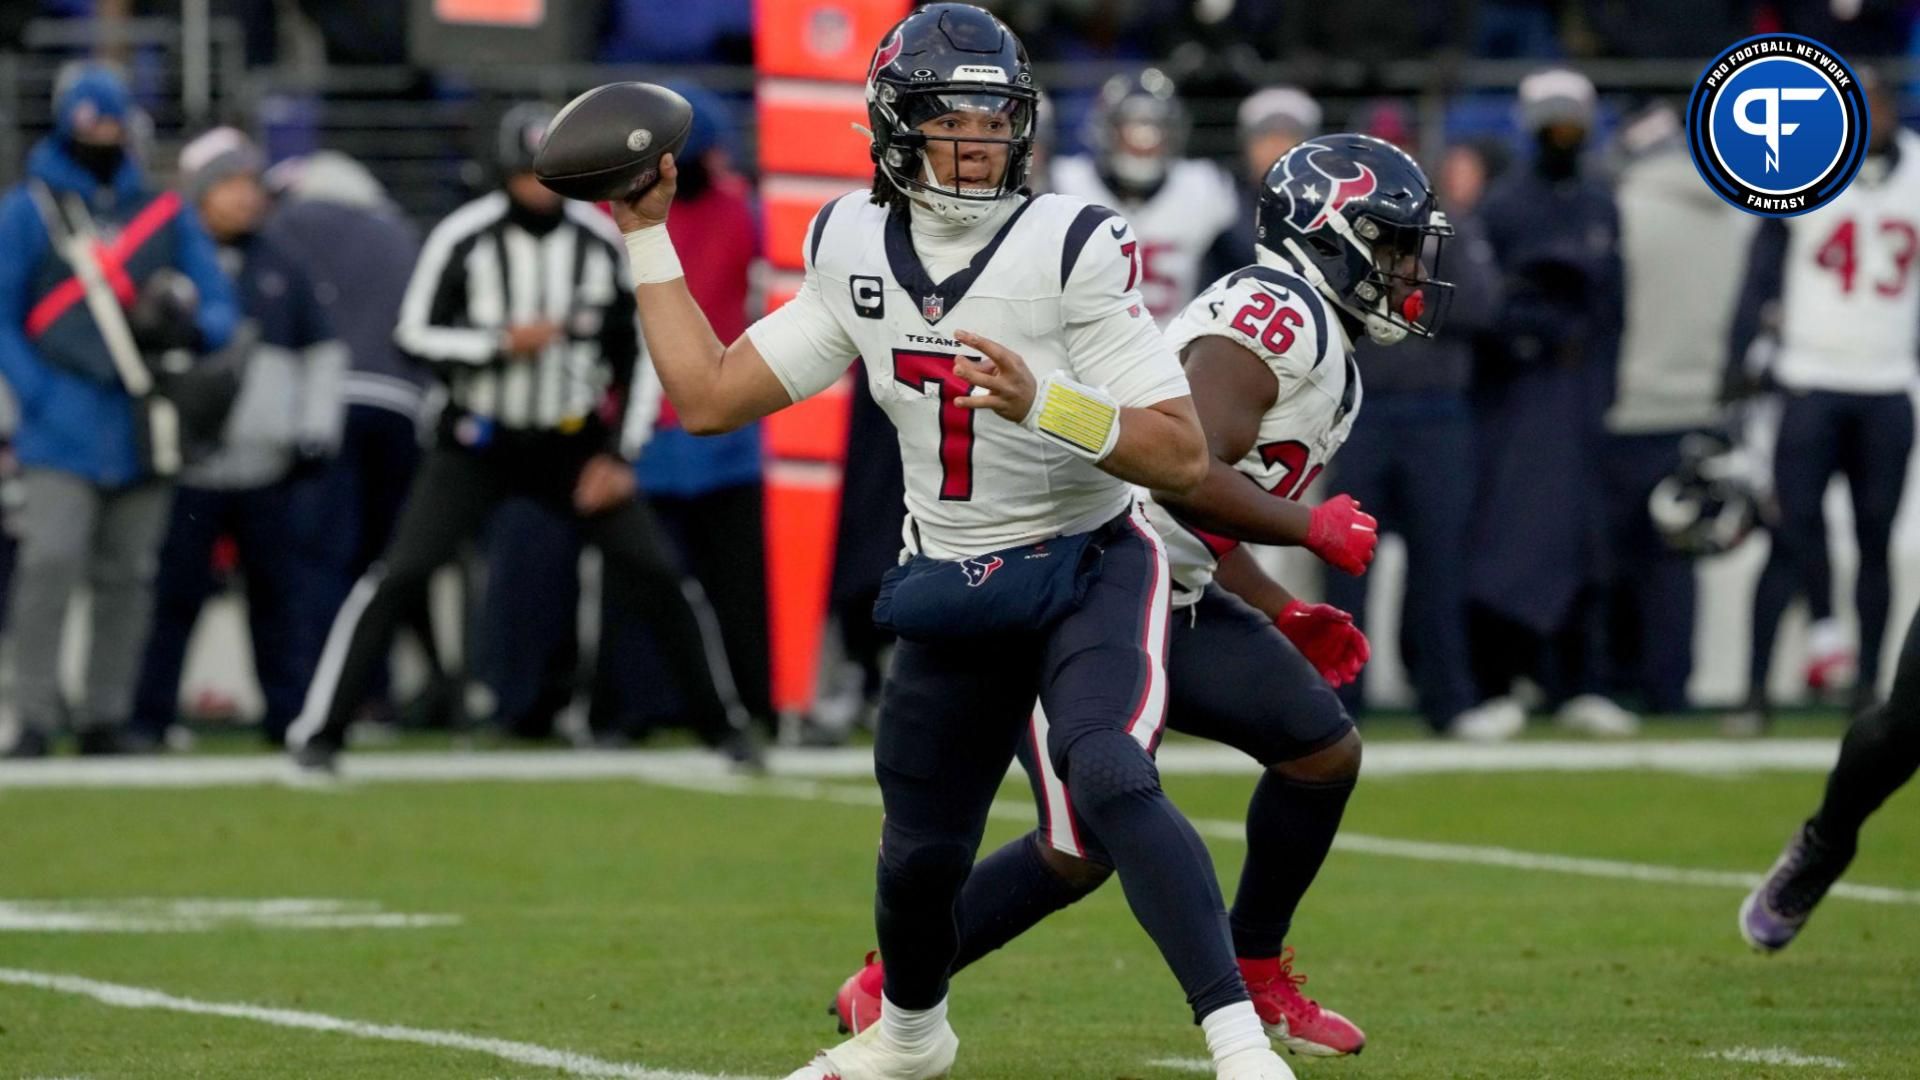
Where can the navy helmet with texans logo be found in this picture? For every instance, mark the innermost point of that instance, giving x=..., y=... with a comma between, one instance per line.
x=941, y=59
x=1357, y=218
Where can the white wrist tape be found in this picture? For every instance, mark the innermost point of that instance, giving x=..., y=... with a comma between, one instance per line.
x=650, y=252
x=1084, y=419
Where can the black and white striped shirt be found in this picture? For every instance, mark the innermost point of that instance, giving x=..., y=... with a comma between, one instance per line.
x=480, y=273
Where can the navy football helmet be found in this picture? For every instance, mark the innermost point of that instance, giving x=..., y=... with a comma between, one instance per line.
x=1138, y=128
x=941, y=59
x=1709, y=504
x=1356, y=216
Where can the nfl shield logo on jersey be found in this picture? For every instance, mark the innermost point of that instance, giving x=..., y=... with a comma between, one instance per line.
x=932, y=307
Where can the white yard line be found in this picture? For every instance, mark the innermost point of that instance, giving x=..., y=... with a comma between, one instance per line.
x=1389, y=759
x=519, y=1053
x=799, y=774
x=1355, y=843
x=1775, y=1055
x=1192, y=1065
x=1426, y=851
x=144, y=915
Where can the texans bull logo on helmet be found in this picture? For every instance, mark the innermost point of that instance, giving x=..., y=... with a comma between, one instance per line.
x=1307, y=172
x=888, y=53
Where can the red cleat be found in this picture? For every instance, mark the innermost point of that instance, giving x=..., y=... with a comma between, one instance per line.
x=857, y=1005
x=1295, y=1019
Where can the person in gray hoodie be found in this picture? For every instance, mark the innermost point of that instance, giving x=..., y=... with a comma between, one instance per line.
x=252, y=487
x=1668, y=386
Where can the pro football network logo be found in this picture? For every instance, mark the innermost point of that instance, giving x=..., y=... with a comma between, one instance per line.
x=1777, y=125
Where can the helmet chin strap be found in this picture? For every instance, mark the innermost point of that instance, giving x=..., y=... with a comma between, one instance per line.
x=1382, y=330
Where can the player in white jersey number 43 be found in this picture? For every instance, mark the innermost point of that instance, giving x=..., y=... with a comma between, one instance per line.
x=1005, y=337
x=1347, y=233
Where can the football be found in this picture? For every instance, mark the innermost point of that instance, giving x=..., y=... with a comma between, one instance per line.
x=607, y=143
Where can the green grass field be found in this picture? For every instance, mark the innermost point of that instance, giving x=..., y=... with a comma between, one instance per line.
x=685, y=932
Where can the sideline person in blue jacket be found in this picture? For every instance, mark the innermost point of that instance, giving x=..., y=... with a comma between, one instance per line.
x=90, y=508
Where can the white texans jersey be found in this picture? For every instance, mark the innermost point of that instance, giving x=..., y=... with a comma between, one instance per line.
x=1284, y=321
x=1850, y=298
x=1057, y=284
x=1176, y=224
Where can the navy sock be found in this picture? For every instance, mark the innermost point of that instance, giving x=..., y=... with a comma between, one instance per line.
x=1290, y=829
x=913, y=912
x=1164, y=868
x=1007, y=894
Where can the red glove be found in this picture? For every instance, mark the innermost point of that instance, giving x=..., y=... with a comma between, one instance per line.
x=1326, y=636
x=1342, y=534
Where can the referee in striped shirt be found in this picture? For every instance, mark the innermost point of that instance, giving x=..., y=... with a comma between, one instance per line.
x=522, y=305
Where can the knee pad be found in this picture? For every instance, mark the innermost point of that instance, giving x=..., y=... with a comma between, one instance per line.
x=1890, y=731
x=1101, y=767
x=922, y=866
x=1338, y=763
x=1080, y=875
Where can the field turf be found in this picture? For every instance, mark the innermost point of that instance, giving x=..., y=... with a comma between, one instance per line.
x=654, y=931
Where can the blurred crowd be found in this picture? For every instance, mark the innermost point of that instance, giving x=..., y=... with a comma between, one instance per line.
x=645, y=31
x=261, y=375
x=266, y=377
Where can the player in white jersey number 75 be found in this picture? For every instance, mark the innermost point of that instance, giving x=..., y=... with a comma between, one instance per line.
x=1004, y=336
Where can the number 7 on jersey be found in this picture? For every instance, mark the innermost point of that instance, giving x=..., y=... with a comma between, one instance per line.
x=916, y=371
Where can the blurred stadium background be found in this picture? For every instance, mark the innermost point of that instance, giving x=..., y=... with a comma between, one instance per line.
x=414, y=91
x=1552, y=908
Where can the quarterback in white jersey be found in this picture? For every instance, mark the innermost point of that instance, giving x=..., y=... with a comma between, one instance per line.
x=1178, y=206
x=1845, y=279
x=1344, y=223
x=1005, y=337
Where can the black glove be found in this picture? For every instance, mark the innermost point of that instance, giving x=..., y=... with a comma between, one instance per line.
x=163, y=314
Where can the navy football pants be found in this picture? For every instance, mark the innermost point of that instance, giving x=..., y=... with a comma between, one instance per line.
x=1235, y=679
x=952, y=715
x=1867, y=438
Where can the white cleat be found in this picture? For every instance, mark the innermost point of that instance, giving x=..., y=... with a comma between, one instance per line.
x=870, y=1056
x=1591, y=714
x=1260, y=1064
x=1494, y=720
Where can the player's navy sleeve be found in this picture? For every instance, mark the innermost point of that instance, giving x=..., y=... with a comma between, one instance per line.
x=1112, y=341
x=1766, y=274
